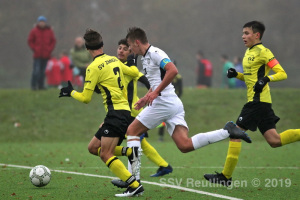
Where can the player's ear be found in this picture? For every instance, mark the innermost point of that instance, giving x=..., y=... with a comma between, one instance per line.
x=257, y=35
x=137, y=42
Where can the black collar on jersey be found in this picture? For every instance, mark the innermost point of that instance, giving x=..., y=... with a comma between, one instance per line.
x=147, y=50
x=98, y=46
x=98, y=56
x=255, y=45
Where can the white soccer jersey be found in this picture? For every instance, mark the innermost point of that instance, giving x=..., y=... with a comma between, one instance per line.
x=151, y=64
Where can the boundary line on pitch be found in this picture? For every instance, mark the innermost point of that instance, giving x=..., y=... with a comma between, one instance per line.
x=199, y=167
x=147, y=182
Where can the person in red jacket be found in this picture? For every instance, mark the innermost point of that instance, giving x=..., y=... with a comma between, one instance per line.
x=42, y=41
x=54, y=72
x=66, y=73
x=204, y=71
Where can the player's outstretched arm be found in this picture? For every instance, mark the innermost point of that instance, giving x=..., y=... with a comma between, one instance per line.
x=84, y=96
x=130, y=71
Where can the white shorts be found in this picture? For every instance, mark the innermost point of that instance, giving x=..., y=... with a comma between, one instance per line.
x=164, y=109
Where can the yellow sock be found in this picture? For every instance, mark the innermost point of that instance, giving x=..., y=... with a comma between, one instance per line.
x=233, y=153
x=290, y=136
x=120, y=151
x=119, y=169
x=152, y=154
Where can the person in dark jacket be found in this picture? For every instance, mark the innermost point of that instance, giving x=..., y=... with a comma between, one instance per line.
x=42, y=41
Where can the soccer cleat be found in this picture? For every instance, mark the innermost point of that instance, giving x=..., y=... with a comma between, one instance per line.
x=121, y=184
x=130, y=192
x=218, y=178
x=236, y=133
x=135, y=160
x=163, y=171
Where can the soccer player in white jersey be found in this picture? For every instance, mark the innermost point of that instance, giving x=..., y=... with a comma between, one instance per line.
x=163, y=103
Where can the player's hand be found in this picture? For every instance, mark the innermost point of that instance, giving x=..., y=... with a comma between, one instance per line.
x=141, y=103
x=151, y=96
x=66, y=91
x=260, y=84
x=231, y=73
x=132, y=60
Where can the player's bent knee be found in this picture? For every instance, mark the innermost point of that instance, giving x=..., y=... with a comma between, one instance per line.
x=184, y=148
x=93, y=150
x=274, y=144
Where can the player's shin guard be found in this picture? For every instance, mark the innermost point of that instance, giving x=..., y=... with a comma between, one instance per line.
x=203, y=139
x=119, y=169
x=152, y=154
x=133, y=141
x=120, y=151
x=290, y=136
x=233, y=153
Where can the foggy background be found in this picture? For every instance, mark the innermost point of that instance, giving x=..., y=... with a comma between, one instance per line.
x=178, y=27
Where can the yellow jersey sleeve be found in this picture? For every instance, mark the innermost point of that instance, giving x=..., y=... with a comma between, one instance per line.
x=130, y=71
x=84, y=97
x=91, y=78
x=279, y=75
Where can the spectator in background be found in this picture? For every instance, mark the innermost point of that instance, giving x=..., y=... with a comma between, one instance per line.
x=226, y=83
x=42, y=41
x=239, y=68
x=66, y=73
x=53, y=72
x=80, y=57
x=204, y=71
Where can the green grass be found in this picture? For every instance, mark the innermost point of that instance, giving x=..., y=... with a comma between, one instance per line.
x=54, y=129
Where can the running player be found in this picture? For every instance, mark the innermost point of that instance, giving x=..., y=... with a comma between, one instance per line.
x=124, y=55
x=164, y=104
x=258, y=112
x=106, y=74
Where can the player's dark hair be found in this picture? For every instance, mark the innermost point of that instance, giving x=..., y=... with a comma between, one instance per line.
x=256, y=27
x=93, y=39
x=124, y=42
x=135, y=33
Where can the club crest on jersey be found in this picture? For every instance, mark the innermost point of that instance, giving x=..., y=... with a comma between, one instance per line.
x=240, y=119
x=251, y=59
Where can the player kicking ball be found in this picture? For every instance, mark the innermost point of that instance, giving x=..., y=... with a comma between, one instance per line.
x=163, y=103
x=106, y=73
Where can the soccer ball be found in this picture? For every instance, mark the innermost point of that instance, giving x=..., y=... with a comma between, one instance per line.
x=40, y=176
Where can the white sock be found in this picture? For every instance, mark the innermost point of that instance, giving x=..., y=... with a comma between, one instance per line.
x=133, y=143
x=203, y=139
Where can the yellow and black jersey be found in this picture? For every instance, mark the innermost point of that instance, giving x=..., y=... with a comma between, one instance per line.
x=257, y=63
x=107, y=73
x=131, y=83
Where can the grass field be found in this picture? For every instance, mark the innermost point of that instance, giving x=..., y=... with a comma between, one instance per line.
x=53, y=129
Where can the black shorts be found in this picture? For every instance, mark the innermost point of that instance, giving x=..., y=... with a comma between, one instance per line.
x=257, y=114
x=115, y=124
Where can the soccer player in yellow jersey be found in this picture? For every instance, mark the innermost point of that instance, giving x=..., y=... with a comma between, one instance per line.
x=106, y=74
x=124, y=55
x=258, y=112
